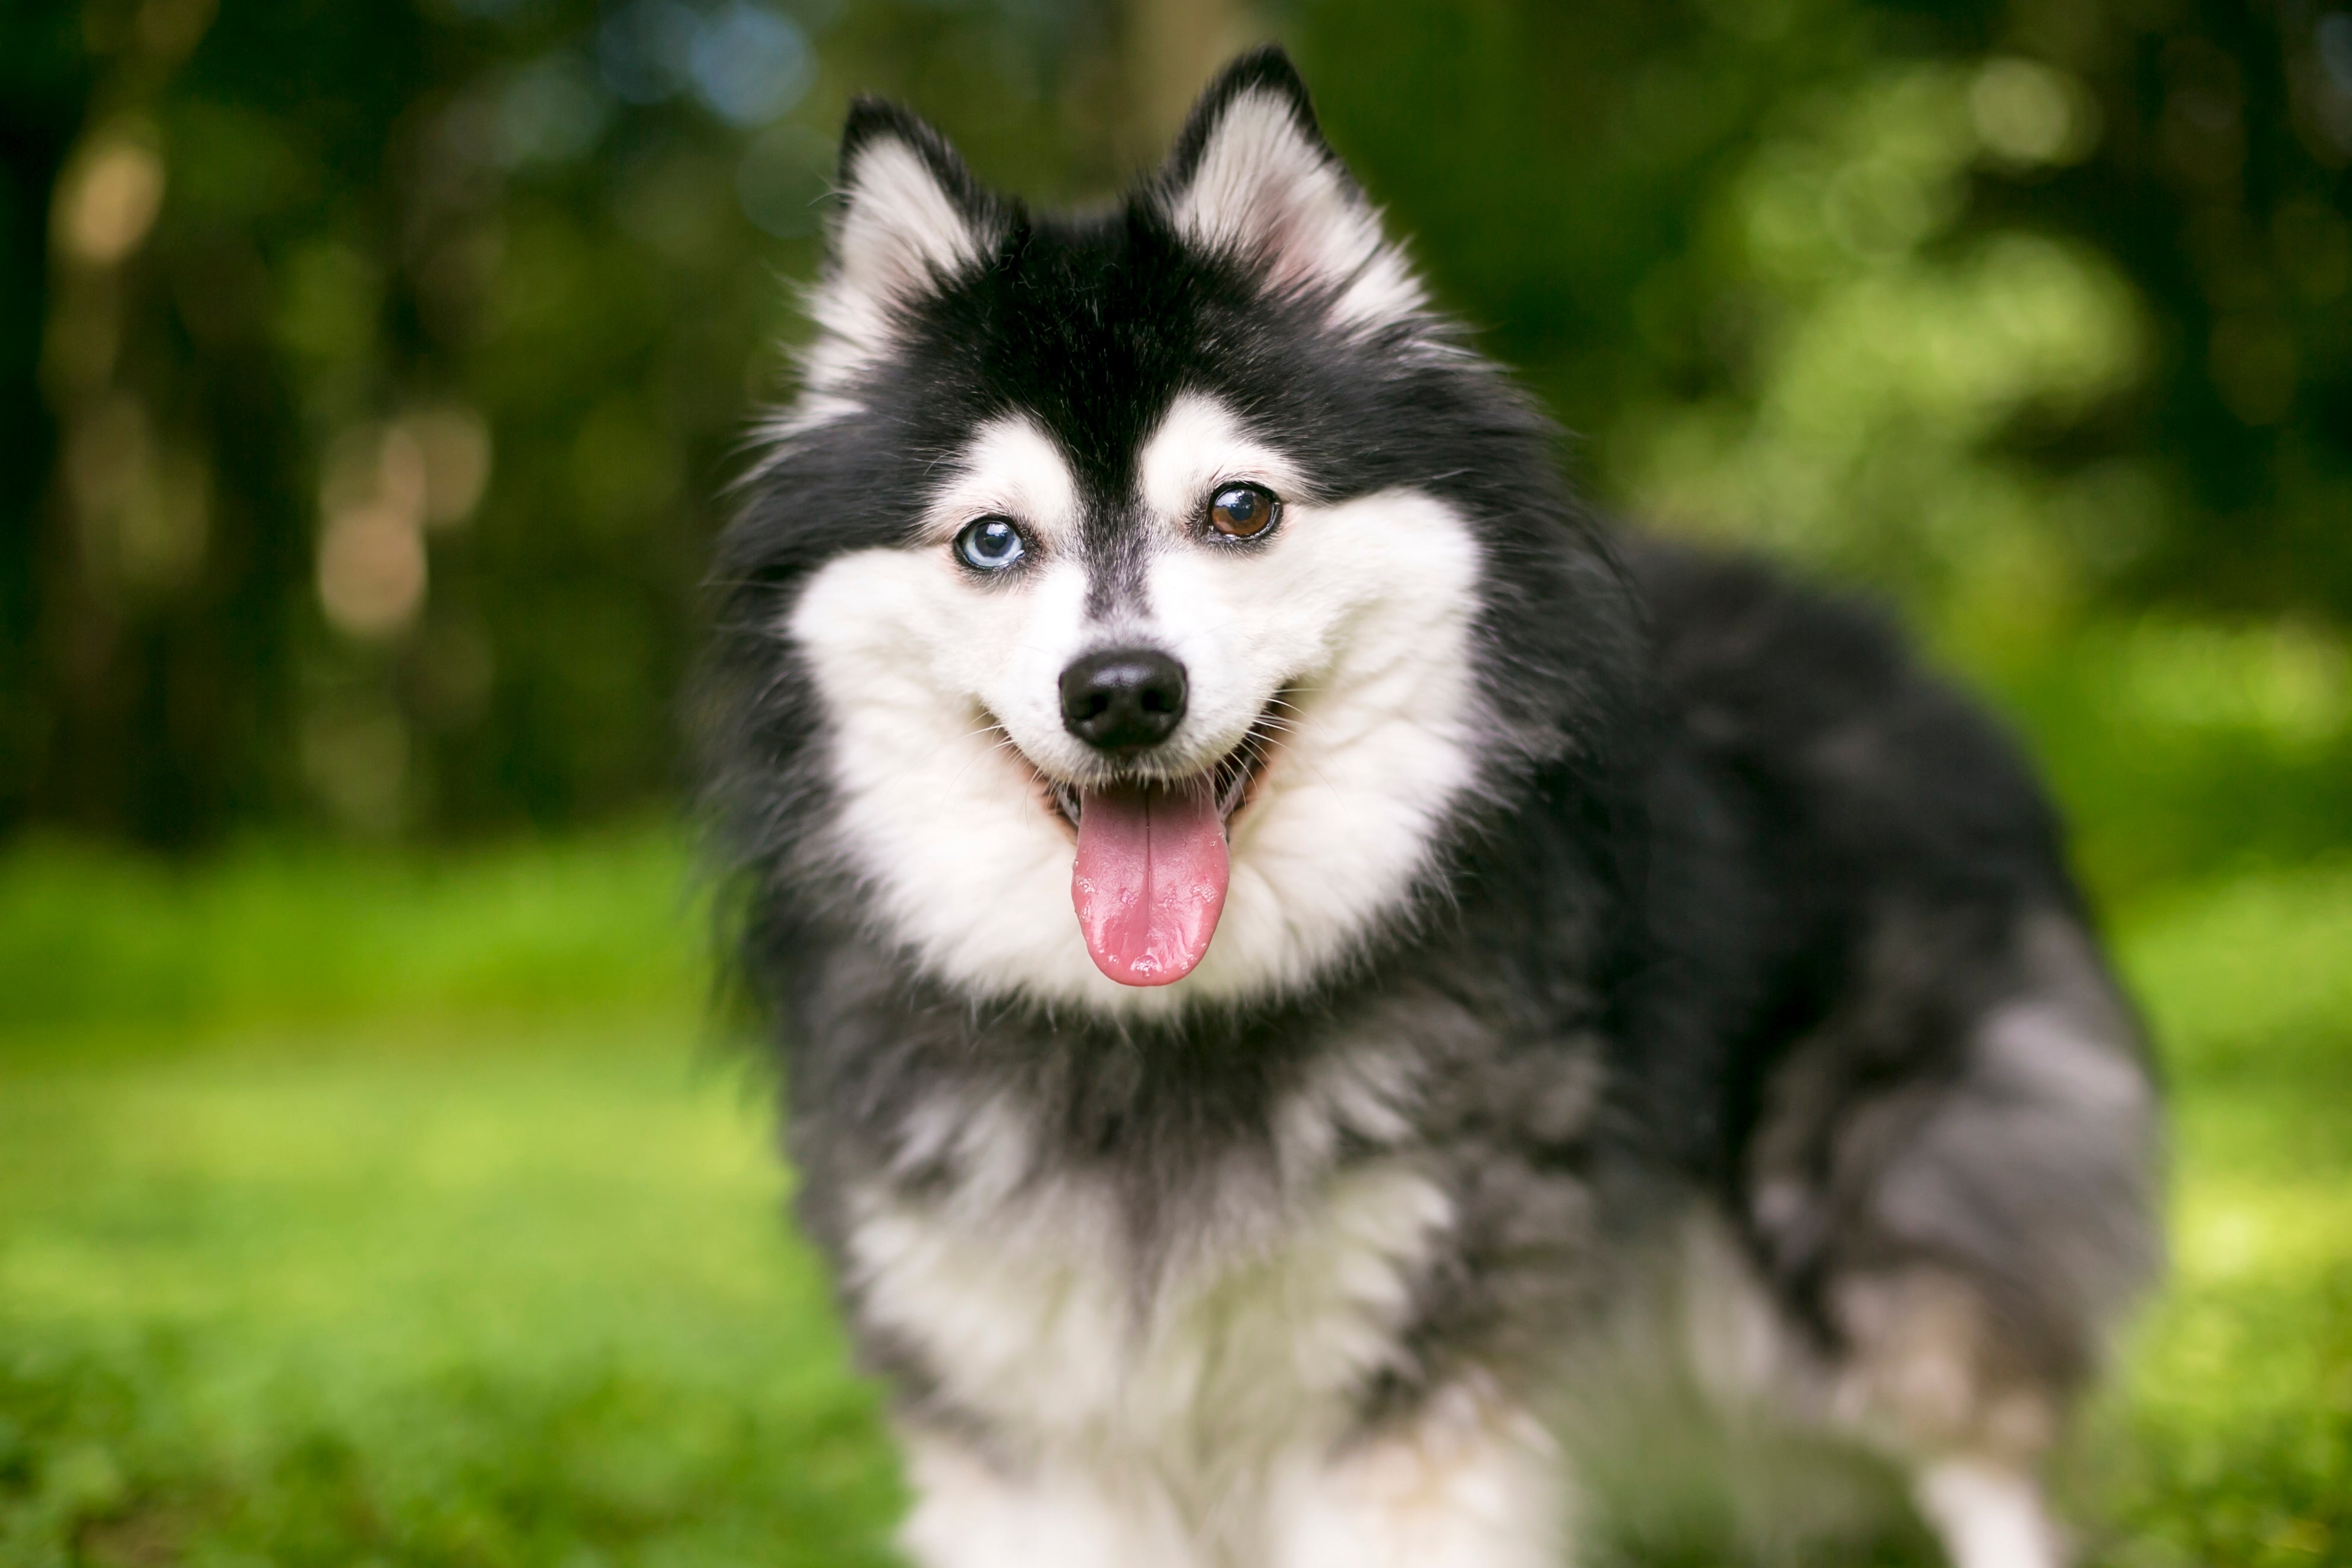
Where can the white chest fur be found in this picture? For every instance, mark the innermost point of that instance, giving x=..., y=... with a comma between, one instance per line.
x=1253, y=1336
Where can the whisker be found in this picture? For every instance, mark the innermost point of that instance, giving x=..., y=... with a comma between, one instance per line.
x=1003, y=743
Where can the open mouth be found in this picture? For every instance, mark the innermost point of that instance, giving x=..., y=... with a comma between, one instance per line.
x=1229, y=786
x=1148, y=880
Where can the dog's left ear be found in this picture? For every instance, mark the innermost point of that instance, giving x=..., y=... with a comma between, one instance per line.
x=912, y=221
x=1251, y=177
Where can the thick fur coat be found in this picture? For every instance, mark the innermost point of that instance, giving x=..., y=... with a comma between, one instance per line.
x=1611, y=935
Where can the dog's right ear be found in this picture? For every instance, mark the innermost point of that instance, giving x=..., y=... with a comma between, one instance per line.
x=1252, y=179
x=912, y=218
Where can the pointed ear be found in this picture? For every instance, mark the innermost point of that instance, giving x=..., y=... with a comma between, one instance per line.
x=912, y=218
x=1252, y=177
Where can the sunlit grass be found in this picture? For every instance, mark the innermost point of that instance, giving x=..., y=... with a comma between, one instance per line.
x=401, y=1213
x=91, y=937
x=2229, y=1437
x=486, y=1294
x=444, y=1231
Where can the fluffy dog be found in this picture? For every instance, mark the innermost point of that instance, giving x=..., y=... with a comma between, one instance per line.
x=1291, y=947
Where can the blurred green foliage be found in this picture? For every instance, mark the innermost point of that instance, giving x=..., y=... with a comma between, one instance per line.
x=2049, y=301
x=373, y=370
x=2183, y=749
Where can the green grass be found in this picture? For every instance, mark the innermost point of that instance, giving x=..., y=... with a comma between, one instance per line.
x=332, y=1238
x=330, y=1235
x=290, y=932
x=2229, y=1438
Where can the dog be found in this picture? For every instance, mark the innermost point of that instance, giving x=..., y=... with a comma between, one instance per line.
x=1295, y=950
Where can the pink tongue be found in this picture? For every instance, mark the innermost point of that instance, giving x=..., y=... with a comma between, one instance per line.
x=1151, y=880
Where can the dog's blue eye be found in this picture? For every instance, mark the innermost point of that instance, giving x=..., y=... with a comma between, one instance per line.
x=990, y=544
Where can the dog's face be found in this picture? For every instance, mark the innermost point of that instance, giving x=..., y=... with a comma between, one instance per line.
x=1132, y=573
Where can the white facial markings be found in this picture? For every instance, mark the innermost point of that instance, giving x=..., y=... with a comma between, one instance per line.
x=1365, y=607
x=1012, y=466
x=1234, y=664
x=1197, y=443
x=1264, y=187
x=941, y=819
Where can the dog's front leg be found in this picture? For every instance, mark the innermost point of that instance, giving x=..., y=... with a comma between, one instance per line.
x=971, y=1511
x=1468, y=1482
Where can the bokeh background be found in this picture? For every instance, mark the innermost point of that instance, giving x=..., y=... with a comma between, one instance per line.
x=374, y=1185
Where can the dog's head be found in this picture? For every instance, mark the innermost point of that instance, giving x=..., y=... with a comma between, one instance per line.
x=1132, y=603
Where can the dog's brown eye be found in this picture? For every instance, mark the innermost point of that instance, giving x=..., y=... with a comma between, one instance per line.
x=1243, y=511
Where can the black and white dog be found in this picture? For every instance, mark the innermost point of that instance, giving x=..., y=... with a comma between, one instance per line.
x=1291, y=949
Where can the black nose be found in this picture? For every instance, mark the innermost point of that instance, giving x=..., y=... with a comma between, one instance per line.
x=1123, y=700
